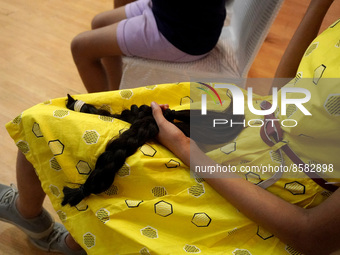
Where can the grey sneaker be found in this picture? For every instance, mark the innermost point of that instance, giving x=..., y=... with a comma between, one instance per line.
x=56, y=242
x=37, y=228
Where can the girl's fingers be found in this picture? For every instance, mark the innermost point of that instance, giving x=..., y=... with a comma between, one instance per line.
x=157, y=112
x=164, y=106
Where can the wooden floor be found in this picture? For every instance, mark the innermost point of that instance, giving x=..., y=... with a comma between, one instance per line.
x=36, y=65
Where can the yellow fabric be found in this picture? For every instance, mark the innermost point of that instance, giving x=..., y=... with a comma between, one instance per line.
x=154, y=206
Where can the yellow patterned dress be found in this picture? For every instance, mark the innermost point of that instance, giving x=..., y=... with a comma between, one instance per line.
x=154, y=206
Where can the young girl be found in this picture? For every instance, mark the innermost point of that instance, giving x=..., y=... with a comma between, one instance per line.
x=154, y=206
x=178, y=31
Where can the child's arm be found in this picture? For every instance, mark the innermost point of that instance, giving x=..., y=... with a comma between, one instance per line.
x=303, y=36
x=311, y=231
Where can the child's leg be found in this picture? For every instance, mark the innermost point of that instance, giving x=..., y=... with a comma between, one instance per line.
x=31, y=196
x=88, y=50
x=23, y=208
x=108, y=18
x=119, y=3
x=111, y=65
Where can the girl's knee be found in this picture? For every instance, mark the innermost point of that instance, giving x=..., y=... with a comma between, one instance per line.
x=78, y=47
x=108, y=18
x=98, y=21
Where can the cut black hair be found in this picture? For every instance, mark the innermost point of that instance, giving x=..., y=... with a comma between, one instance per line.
x=144, y=128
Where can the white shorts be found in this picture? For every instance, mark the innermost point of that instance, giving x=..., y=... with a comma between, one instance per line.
x=138, y=35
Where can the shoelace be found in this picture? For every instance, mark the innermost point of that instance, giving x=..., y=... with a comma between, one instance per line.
x=9, y=197
x=54, y=237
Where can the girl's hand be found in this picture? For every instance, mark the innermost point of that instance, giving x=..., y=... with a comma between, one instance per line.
x=169, y=135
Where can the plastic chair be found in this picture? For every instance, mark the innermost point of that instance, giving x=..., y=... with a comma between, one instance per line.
x=246, y=26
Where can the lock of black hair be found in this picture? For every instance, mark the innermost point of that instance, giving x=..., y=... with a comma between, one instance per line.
x=144, y=128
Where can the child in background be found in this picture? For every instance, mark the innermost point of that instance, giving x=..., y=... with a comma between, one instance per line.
x=168, y=30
